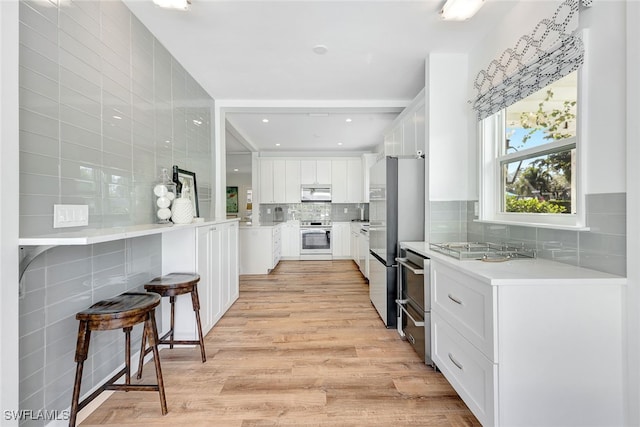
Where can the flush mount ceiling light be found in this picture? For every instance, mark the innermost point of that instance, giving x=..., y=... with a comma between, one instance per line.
x=265, y=120
x=348, y=120
x=460, y=10
x=174, y=4
x=320, y=49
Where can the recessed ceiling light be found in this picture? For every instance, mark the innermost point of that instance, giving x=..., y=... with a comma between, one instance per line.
x=265, y=120
x=277, y=145
x=236, y=170
x=339, y=143
x=320, y=49
x=348, y=120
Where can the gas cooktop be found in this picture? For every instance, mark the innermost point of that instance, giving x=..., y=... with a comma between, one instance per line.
x=483, y=251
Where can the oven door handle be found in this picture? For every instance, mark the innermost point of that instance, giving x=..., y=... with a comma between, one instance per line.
x=411, y=266
x=401, y=303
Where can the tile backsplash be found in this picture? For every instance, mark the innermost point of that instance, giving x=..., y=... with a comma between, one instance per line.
x=103, y=107
x=602, y=248
x=313, y=211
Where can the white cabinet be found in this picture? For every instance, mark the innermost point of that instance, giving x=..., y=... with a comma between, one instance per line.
x=315, y=171
x=212, y=252
x=209, y=245
x=363, y=254
x=522, y=351
x=355, y=242
x=340, y=240
x=368, y=160
x=347, y=181
x=279, y=181
x=339, y=181
x=292, y=181
x=291, y=240
x=407, y=135
x=260, y=249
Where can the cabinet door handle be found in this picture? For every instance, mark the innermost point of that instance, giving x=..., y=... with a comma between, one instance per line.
x=455, y=362
x=454, y=299
x=213, y=229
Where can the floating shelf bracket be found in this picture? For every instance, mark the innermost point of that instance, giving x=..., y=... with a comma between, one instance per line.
x=28, y=254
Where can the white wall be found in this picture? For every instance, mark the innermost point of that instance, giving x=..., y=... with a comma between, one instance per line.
x=8, y=208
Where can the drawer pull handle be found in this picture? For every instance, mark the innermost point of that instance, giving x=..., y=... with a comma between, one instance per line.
x=455, y=362
x=454, y=299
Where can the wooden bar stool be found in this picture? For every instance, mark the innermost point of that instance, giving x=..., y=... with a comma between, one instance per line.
x=123, y=311
x=172, y=285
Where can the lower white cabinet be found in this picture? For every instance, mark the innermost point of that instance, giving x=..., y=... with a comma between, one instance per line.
x=355, y=242
x=522, y=352
x=260, y=248
x=291, y=240
x=341, y=240
x=212, y=252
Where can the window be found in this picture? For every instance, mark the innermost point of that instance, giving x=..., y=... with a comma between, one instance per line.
x=530, y=161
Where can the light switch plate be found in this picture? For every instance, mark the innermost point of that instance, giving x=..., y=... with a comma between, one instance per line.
x=70, y=216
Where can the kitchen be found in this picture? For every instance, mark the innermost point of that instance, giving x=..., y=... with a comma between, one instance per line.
x=451, y=183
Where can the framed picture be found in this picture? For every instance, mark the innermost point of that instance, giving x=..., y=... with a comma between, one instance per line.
x=186, y=182
x=232, y=200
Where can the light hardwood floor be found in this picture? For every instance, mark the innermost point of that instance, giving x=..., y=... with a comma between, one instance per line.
x=302, y=346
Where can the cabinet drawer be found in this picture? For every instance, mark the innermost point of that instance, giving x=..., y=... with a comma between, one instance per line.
x=467, y=304
x=470, y=373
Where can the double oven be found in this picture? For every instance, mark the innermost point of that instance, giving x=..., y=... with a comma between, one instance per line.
x=315, y=240
x=414, y=302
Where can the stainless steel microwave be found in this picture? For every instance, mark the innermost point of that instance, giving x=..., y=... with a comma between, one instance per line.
x=315, y=193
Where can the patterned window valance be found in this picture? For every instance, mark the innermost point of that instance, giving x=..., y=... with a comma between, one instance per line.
x=549, y=53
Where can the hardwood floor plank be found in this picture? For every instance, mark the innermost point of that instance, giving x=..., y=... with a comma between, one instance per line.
x=302, y=346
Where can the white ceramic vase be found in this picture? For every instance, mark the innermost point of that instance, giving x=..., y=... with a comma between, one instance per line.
x=182, y=211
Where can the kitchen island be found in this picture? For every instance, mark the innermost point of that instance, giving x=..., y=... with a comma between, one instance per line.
x=528, y=341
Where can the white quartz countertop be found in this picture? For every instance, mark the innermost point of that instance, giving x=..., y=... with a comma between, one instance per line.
x=91, y=236
x=519, y=271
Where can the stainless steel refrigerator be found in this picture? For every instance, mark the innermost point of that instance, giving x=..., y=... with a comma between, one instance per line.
x=396, y=214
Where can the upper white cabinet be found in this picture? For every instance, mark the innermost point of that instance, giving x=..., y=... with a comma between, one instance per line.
x=407, y=135
x=315, y=171
x=279, y=181
x=280, y=178
x=292, y=183
x=347, y=181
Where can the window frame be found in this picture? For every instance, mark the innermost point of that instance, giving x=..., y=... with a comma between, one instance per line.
x=491, y=135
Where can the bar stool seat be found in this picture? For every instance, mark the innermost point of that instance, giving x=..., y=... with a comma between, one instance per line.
x=172, y=285
x=123, y=311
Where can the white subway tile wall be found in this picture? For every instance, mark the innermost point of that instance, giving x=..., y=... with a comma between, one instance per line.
x=103, y=107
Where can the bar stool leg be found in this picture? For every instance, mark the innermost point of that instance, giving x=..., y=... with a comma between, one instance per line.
x=152, y=331
x=127, y=355
x=172, y=300
x=195, y=301
x=82, y=349
x=142, y=351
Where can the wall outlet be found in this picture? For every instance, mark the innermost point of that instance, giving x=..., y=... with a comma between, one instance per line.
x=476, y=209
x=268, y=210
x=70, y=215
x=346, y=210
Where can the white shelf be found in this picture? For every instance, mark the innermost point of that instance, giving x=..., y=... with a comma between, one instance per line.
x=33, y=246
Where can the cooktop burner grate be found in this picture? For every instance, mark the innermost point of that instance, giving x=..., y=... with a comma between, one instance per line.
x=483, y=251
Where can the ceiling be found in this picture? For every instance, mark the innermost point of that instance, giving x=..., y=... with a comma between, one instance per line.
x=259, y=57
